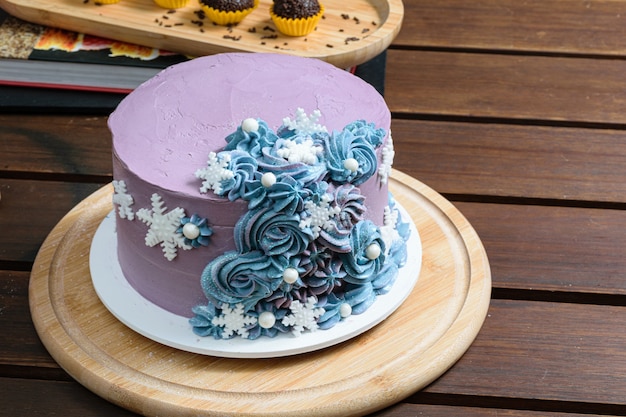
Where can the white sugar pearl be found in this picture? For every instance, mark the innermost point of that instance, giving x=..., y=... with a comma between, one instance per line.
x=290, y=275
x=250, y=125
x=372, y=251
x=345, y=310
x=267, y=319
x=351, y=164
x=268, y=179
x=191, y=231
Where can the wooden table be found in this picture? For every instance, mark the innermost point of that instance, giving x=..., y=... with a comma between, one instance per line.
x=514, y=111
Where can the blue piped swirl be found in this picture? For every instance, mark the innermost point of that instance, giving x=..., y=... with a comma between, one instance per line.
x=243, y=278
x=251, y=142
x=271, y=232
x=345, y=145
x=359, y=267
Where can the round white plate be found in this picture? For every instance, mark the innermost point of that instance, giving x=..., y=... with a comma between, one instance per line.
x=162, y=326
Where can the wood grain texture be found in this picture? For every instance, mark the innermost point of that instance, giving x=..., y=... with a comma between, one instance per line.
x=21, y=205
x=540, y=161
x=62, y=144
x=20, y=345
x=422, y=339
x=342, y=42
x=565, y=249
x=545, y=351
x=514, y=87
x=564, y=26
x=514, y=161
x=74, y=399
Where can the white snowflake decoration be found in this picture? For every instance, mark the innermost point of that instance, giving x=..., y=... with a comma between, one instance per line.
x=234, y=321
x=320, y=215
x=215, y=172
x=388, y=231
x=123, y=200
x=303, y=316
x=163, y=227
x=384, y=171
x=303, y=124
x=303, y=152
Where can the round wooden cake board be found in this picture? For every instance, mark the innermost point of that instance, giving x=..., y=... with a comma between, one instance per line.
x=424, y=337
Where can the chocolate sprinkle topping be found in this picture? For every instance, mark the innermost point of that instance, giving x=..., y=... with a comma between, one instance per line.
x=296, y=9
x=228, y=5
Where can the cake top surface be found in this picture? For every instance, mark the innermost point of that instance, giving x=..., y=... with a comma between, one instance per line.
x=187, y=110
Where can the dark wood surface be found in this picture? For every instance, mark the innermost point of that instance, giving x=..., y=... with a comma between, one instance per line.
x=513, y=110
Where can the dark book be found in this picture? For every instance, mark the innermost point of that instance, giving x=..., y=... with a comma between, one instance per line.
x=38, y=56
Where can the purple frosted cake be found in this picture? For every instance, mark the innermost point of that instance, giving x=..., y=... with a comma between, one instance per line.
x=251, y=194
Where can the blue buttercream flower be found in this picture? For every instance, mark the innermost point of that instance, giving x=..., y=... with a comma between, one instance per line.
x=365, y=260
x=202, y=321
x=243, y=167
x=274, y=233
x=385, y=279
x=350, y=158
x=332, y=311
x=368, y=131
x=255, y=192
x=244, y=278
x=252, y=136
x=287, y=195
x=360, y=297
x=269, y=320
x=195, y=230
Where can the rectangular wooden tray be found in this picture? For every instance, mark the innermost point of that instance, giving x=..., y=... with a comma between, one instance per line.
x=350, y=33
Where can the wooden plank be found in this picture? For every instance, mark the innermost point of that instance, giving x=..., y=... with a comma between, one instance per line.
x=535, y=351
x=23, y=397
x=30, y=209
x=20, y=347
x=73, y=399
x=564, y=26
x=540, y=162
x=506, y=86
x=572, y=250
x=427, y=410
x=55, y=144
x=545, y=351
x=516, y=161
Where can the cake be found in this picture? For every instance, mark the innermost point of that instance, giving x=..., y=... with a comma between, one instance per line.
x=296, y=17
x=228, y=12
x=251, y=194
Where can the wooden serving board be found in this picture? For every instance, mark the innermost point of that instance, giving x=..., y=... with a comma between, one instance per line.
x=350, y=33
x=423, y=338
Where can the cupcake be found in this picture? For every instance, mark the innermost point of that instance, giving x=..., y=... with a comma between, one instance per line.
x=296, y=17
x=171, y=4
x=228, y=12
